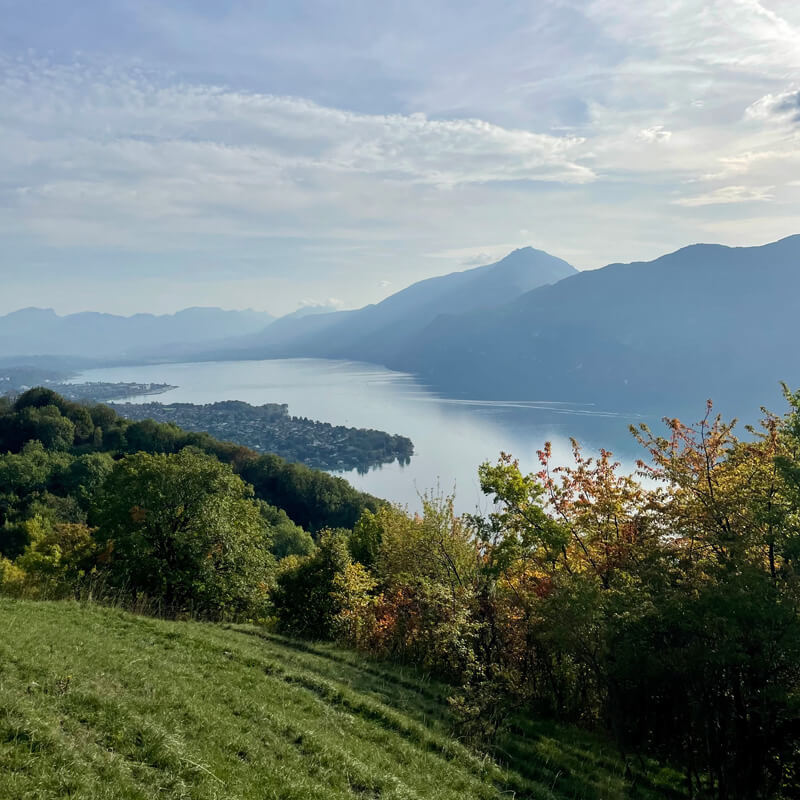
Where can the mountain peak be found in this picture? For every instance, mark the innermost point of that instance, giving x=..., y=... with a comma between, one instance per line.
x=523, y=252
x=530, y=256
x=34, y=311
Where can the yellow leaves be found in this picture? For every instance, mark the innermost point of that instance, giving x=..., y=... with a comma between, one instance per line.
x=12, y=578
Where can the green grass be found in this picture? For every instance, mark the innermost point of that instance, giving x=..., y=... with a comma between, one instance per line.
x=99, y=703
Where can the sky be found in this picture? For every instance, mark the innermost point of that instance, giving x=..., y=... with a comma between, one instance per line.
x=158, y=154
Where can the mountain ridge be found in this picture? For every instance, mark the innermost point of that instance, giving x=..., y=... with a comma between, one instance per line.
x=36, y=331
x=373, y=332
x=624, y=335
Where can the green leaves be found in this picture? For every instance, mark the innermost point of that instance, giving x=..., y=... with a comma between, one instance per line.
x=185, y=530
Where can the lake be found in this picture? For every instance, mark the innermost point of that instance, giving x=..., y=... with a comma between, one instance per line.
x=451, y=437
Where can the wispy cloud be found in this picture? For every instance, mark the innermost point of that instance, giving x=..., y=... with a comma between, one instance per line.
x=113, y=149
x=728, y=194
x=657, y=133
x=328, y=146
x=781, y=106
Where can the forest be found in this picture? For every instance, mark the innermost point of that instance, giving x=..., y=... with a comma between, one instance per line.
x=661, y=609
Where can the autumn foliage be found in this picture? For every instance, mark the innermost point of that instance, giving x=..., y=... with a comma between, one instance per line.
x=660, y=606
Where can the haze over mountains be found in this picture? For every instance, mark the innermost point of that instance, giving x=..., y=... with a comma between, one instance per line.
x=381, y=332
x=40, y=331
x=704, y=321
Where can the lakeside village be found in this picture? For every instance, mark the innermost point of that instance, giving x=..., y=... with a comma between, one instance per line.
x=270, y=428
x=267, y=429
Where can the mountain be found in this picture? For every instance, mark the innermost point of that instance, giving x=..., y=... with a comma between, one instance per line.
x=378, y=332
x=309, y=310
x=707, y=321
x=37, y=331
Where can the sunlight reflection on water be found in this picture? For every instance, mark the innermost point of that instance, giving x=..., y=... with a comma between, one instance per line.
x=451, y=436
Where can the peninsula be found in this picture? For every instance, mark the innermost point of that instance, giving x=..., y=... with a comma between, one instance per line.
x=270, y=428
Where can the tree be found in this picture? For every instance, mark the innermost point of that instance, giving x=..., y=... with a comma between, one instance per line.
x=183, y=529
x=308, y=596
x=84, y=477
x=45, y=424
x=288, y=539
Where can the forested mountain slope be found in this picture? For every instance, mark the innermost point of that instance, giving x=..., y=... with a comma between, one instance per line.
x=705, y=321
x=376, y=332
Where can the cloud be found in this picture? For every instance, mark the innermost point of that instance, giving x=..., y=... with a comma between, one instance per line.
x=332, y=303
x=705, y=35
x=781, y=106
x=322, y=145
x=477, y=255
x=100, y=156
x=655, y=134
x=477, y=260
x=133, y=108
x=727, y=194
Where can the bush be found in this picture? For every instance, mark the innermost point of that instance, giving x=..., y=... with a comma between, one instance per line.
x=57, y=559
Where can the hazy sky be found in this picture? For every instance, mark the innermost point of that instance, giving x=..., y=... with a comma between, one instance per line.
x=156, y=154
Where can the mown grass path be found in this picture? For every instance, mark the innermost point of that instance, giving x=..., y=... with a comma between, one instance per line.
x=99, y=703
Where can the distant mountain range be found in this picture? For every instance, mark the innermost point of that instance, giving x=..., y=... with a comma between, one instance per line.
x=659, y=336
x=39, y=331
x=706, y=321
x=382, y=332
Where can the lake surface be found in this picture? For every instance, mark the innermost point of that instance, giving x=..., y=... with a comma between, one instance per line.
x=451, y=437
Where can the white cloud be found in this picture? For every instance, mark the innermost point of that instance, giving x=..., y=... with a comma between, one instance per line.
x=657, y=133
x=728, y=194
x=478, y=255
x=783, y=106
x=705, y=34
x=332, y=303
x=129, y=111
x=92, y=156
x=293, y=156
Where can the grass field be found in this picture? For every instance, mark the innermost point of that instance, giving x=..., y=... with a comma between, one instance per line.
x=98, y=703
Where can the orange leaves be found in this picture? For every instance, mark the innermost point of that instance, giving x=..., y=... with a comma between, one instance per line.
x=720, y=497
x=600, y=508
x=138, y=514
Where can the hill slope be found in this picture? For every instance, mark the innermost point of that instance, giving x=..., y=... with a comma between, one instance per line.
x=705, y=321
x=377, y=332
x=97, y=703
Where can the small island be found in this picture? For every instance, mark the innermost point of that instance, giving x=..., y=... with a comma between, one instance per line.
x=269, y=428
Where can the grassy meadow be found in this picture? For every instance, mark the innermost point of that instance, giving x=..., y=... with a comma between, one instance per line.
x=99, y=703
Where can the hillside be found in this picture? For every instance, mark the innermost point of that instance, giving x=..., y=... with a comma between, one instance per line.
x=377, y=332
x=38, y=331
x=97, y=703
x=705, y=321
